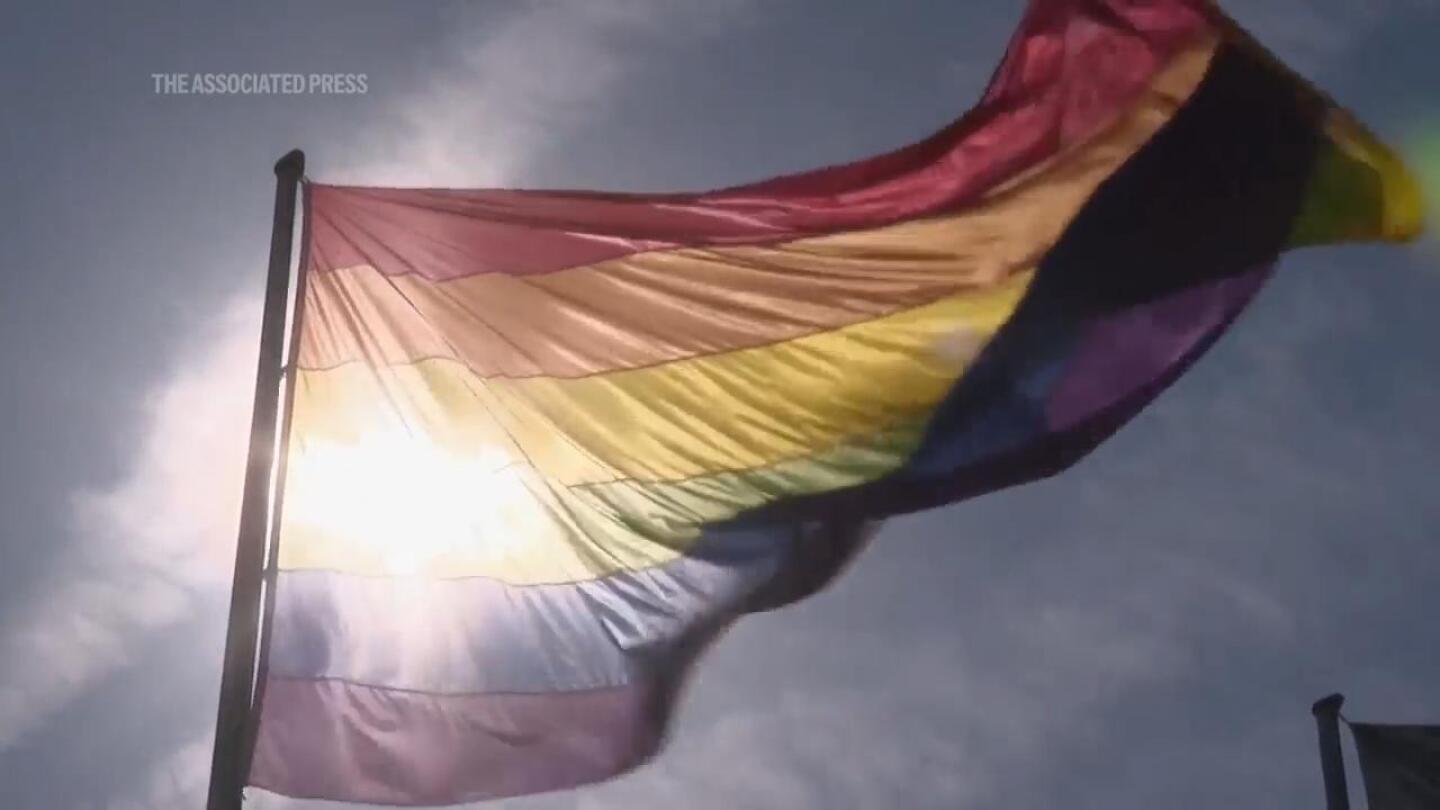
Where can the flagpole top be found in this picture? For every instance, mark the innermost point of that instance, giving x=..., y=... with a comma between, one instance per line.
x=1328, y=705
x=293, y=164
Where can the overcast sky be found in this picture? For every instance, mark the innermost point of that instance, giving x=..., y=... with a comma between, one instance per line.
x=1146, y=631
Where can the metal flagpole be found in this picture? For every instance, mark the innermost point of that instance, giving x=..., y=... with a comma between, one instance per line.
x=1332, y=761
x=238, y=675
x=272, y=557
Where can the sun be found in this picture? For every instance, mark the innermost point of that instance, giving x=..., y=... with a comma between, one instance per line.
x=399, y=498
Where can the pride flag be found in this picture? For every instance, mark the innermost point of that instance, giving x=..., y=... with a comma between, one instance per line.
x=546, y=445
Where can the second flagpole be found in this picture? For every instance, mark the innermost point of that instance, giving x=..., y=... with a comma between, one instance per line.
x=1332, y=762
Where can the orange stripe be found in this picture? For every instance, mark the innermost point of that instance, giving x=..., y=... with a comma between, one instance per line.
x=652, y=308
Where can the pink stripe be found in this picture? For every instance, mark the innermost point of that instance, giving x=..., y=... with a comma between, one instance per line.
x=350, y=743
x=1071, y=69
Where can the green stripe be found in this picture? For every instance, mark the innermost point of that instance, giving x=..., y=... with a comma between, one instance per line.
x=673, y=512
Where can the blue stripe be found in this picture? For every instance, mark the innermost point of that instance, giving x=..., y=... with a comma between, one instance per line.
x=463, y=636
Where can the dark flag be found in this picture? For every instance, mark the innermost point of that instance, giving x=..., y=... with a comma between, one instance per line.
x=1401, y=765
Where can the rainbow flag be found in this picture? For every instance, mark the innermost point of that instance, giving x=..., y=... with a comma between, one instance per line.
x=546, y=445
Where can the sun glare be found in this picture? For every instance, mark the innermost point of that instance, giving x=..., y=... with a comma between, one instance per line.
x=405, y=500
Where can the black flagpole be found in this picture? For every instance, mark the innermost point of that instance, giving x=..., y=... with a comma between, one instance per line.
x=1332, y=761
x=238, y=675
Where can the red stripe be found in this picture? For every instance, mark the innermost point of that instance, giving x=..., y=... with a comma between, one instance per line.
x=1072, y=68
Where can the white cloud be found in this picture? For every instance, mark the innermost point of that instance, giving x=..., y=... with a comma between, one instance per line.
x=178, y=781
x=513, y=87
x=163, y=531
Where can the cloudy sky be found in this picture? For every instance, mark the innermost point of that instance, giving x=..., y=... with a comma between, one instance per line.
x=1146, y=631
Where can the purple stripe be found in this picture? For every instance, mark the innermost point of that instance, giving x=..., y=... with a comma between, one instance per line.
x=342, y=742
x=1121, y=354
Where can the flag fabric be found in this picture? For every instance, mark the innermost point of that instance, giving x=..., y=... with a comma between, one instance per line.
x=547, y=445
x=1400, y=764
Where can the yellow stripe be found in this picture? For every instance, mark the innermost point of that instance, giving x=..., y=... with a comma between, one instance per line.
x=1359, y=190
x=705, y=415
